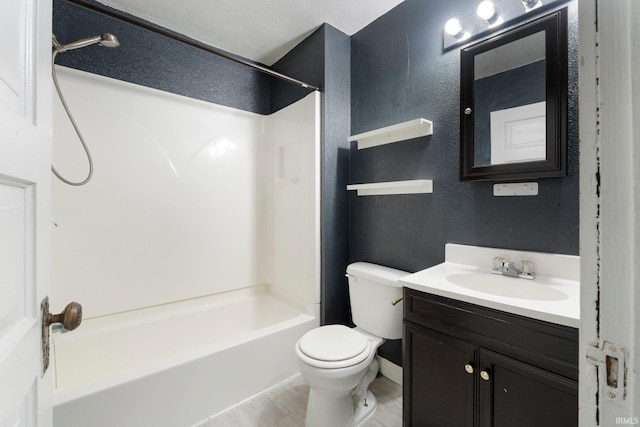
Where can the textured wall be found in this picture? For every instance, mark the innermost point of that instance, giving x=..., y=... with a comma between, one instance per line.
x=336, y=119
x=158, y=62
x=399, y=72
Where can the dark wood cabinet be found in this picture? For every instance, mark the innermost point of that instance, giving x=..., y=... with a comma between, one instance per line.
x=435, y=387
x=466, y=365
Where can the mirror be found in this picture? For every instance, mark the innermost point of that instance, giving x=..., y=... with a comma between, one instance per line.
x=514, y=103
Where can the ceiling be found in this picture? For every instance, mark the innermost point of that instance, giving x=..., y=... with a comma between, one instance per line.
x=260, y=30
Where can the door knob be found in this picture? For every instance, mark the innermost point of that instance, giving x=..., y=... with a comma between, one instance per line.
x=485, y=375
x=70, y=318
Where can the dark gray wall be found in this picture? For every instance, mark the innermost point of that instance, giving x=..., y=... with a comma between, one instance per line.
x=158, y=62
x=336, y=122
x=399, y=72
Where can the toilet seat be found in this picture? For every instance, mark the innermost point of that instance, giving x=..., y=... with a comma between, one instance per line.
x=333, y=347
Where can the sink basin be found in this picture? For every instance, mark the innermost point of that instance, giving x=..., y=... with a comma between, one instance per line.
x=504, y=286
x=553, y=296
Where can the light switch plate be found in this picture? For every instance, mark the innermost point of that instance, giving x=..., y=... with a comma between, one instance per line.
x=516, y=189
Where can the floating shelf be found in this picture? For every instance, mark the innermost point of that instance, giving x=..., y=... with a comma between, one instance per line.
x=387, y=135
x=415, y=186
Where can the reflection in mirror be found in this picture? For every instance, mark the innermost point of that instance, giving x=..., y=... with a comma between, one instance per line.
x=513, y=115
x=509, y=102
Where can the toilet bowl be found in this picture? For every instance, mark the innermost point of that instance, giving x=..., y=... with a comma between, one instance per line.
x=334, y=361
x=338, y=363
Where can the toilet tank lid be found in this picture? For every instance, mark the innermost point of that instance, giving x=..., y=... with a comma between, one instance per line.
x=376, y=273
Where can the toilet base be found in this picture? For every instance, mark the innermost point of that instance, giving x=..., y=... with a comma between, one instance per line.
x=323, y=411
x=365, y=413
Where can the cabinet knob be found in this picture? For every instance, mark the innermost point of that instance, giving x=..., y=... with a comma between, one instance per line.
x=469, y=368
x=468, y=111
x=484, y=375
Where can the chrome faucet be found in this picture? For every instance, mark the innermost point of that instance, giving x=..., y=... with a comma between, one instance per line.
x=525, y=269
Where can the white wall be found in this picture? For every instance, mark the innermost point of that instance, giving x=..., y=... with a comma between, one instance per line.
x=181, y=202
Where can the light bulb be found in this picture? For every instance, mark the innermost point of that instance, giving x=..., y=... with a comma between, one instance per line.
x=453, y=27
x=486, y=10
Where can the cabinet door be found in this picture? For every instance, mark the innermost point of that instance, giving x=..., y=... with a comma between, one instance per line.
x=438, y=389
x=513, y=393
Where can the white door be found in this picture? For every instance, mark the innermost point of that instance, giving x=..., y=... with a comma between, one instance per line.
x=25, y=227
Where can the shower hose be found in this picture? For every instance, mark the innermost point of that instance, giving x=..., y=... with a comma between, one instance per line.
x=75, y=127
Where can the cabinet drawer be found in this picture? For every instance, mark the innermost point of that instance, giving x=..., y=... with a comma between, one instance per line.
x=550, y=346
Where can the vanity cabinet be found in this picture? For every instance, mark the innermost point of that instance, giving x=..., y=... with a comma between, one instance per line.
x=467, y=365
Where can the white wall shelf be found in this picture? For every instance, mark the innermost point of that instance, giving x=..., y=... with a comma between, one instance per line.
x=416, y=186
x=400, y=132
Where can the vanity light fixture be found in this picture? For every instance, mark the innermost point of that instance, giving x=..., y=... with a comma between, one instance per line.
x=487, y=11
x=494, y=15
x=453, y=28
x=531, y=4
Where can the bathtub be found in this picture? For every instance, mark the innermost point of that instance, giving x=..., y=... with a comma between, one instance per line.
x=175, y=364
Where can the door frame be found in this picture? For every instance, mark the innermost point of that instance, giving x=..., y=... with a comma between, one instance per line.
x=609, y=47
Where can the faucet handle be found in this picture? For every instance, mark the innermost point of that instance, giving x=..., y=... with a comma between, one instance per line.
x=528, y=270
x=498, y=264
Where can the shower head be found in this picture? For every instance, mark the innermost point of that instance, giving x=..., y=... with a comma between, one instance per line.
x=107, y=39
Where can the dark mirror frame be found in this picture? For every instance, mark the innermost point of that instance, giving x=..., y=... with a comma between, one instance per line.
x=555, y=27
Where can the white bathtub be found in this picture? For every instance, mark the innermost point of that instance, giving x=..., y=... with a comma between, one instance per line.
x=175, y=364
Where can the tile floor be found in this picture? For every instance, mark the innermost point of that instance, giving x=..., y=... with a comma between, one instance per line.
x=285, y=406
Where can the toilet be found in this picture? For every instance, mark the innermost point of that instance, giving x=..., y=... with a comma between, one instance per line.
x=338, y=363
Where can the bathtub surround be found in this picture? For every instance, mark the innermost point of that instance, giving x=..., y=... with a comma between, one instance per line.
x=323, y=59
x=190, y=201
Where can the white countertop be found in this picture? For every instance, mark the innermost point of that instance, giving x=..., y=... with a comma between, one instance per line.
x=552, y=299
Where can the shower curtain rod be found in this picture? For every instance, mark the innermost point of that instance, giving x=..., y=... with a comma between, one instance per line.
x=190, y=42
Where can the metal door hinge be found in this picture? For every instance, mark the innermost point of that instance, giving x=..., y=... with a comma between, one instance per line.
x=44, y=308
x=611, y=359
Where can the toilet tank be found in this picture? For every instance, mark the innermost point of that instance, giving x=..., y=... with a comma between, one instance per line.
x=372, y=289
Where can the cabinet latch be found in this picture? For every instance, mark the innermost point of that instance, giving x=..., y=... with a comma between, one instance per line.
x=611, y=359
